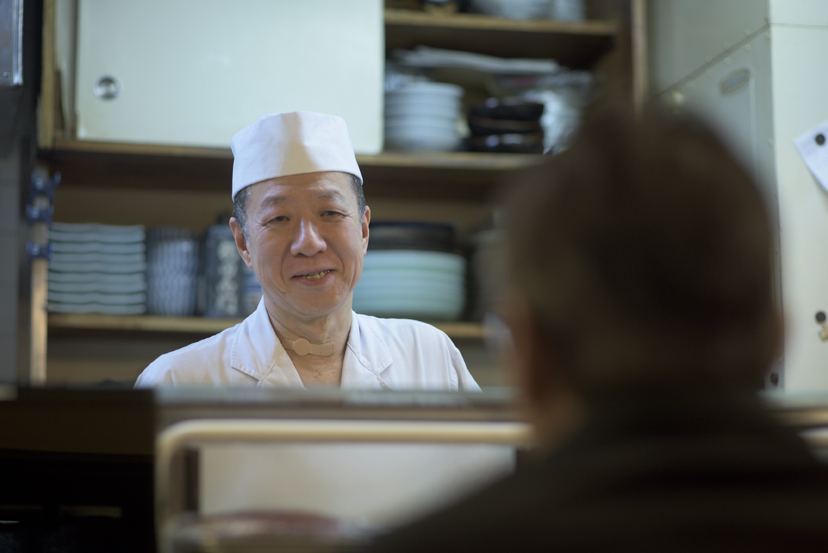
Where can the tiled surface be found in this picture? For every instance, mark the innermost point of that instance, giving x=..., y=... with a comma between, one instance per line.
x=8, y=260
x=8, y=358
x=8, y=208
x=8, y=310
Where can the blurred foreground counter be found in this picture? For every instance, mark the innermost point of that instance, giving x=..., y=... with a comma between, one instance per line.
x=76, y=466
x=254, y=470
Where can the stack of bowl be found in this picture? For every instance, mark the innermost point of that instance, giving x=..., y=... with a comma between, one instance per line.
x=251, y=291
x=510, y=125
x=172, y=271
x=411, y=272
x=423, y=116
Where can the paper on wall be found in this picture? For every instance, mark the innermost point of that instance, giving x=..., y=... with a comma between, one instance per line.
x=813, y=148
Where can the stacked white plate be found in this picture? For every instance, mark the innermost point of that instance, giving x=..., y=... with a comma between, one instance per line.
x=97, y=269
x=412, y=284
x=423, y=117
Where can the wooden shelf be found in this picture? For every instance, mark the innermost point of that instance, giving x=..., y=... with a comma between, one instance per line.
x=465, y=175
x=198, y=325
x=64, y=148
x=572, y=44
x=480, y=22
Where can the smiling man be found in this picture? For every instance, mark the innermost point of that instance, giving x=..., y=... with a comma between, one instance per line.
x=301, y=223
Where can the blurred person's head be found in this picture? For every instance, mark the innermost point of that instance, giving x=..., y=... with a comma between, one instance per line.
x=639, y=257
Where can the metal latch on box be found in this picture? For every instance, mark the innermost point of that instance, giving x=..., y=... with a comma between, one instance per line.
x=821, y=321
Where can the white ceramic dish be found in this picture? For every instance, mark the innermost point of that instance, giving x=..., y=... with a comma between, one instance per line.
x=137, y=278
x=97, y=297
x=98, y=267
x=400, y=124
x=97, y=237
x=426, y=291
x=135, y=309
x=425, y=109
x=84, y=287
x=415, y=259
x=95, y=257
x=99, y=247
x=410, y=277
x=414, y=309
x=416, y=141
x=513, y=9
x=427, y=89
x=84, y=228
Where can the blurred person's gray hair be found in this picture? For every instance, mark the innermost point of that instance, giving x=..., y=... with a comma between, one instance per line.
x=644, y=251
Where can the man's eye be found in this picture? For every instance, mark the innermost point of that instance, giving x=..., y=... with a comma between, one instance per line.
x=331, y=213
x=278, y=219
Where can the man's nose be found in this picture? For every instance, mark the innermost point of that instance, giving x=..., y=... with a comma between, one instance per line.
x=308, y=240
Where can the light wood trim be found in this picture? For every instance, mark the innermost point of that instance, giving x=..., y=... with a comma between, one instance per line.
x=202, y=325
x=439, y=160
x=86, y=146
x=461, y=330
x=638, y=31
x=488, y=23
x=38, y=333
x=451, y=160
x=142, y=323
x=48, y=82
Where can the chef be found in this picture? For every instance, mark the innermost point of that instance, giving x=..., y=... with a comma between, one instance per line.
x=301, y=223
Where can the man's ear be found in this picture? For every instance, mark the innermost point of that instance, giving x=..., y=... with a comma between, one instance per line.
x=241, y=242
x=533, y=359
x=364, y=223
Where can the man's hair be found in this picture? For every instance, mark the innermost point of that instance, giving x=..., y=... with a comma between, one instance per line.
x=242, y=198
x=645, y=253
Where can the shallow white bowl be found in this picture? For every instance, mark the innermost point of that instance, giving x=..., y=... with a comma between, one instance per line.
x=427, y=89
x=415, y=259
x=411, y=308
x=401, y=124
x=424, y=109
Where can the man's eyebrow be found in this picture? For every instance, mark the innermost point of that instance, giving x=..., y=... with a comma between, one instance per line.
x=331, y=195
x=272, y=200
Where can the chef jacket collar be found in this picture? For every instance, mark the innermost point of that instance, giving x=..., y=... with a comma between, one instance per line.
x=258, y=353
x=366, y=357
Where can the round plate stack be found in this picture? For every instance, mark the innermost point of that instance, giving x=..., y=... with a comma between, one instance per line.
x=509, y=125
x=97, y=269
x=423, y=117
x=410, y=272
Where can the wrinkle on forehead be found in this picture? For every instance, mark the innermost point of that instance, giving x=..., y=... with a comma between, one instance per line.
x=272, y=198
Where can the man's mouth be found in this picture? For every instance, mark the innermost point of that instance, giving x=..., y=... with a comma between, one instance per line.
x=314, y=276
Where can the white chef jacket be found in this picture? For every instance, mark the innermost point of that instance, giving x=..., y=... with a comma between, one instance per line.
x=381, y=354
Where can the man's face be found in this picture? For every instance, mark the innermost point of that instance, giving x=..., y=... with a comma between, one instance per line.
x=306, y=242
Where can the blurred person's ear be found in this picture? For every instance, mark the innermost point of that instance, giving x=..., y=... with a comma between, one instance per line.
x=549, y=401
x=532, y=363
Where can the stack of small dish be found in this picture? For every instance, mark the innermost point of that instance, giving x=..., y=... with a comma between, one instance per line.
x=410, y=272
x=422, y=116
x=508, y=125
x=172, y=271
x=97, y=269
x=251, y=291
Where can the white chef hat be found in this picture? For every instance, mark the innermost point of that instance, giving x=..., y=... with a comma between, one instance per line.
x=281, y=144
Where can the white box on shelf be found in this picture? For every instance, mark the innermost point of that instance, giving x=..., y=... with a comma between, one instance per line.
x=194, y=72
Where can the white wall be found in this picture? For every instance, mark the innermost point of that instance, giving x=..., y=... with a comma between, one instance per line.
x=694, y=46
x=799, y=38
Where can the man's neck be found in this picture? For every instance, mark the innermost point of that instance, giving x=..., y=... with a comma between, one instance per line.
x=332, y=329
